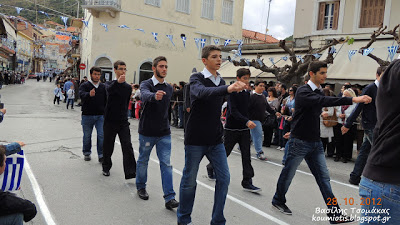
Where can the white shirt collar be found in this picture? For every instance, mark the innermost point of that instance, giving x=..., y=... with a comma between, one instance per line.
x=155, y=81
x=313, y=86
x=207, y=74
x=95, y=85
x=377, y=83
x=254, y=92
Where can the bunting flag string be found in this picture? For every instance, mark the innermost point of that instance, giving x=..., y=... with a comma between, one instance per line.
x=141, y=30
x=285, y=58
x=170, y=37
x=247, y=62
x=216, y=41
x=317, y=55
x=227, y=42
x=203, y=42
x=124, y=27
x=301, y=58
x=197, y=40
x=392, y=51
x=65, y=20
x=155, y=36
x=272, y=60
x=105, y=26
x=44, y=13
x=19, y=9
x=351, y=53
x=260, y=62
x=85, y=22
x=333, y=50
x=367, y=51
x=184, y=41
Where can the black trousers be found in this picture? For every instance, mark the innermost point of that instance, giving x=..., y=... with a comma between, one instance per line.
x=111, y=129
x=56, y=98
x=268, y=132
x=243, y=138
x=344, y=143
x=328, y=146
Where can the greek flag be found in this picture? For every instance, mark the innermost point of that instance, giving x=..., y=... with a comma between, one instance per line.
x=247, y=62
x=367, y=51
x=272, y=60
x=65, y=20
x=124, y=26
x=203, y=42
x=301, y=58
x=260, y=62
x=105, y=26
x=226, y=42
x=239, y=42
x=392, y=51
x=45, y=13
x=216, y=41
x=197, y=40
x=170, y=37
x=10, y=180
x=155, y=36
x=184, y=41
x=317, y=56
x=351, y=53
x=333, y=50
x=285, y=58
x=141, y=30
x=85, y=22
x=239, y=51
x=18, y=9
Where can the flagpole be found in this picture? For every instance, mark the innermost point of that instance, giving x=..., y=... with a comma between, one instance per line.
x=266, y=30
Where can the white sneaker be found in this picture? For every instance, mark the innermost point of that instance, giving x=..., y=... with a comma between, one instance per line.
x=282, y=149
x=279, y=148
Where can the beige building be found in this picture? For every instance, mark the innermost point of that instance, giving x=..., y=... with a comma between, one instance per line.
x=203, y=19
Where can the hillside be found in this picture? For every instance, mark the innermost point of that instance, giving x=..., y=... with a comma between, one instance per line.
x=68, y=7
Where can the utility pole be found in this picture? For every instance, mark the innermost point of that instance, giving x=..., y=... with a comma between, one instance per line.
x=77, y=11
x=266, y=29
x=36, y=12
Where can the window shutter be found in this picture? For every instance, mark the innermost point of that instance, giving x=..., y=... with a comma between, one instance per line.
x=372, y=13
x=321, y=16
x=336, y=15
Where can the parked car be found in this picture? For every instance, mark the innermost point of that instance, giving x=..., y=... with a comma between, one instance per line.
x=32, y=76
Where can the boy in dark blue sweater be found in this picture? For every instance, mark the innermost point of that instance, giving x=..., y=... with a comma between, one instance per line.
x=154, y=130
x=305, y=142
x=203, y=135
x=237, y=129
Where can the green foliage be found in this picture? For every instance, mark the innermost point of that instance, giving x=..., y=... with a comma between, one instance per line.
x=290, y=38
x=350, y=41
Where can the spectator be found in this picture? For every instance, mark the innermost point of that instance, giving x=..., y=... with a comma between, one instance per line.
x=57, y=94
x=71, y=96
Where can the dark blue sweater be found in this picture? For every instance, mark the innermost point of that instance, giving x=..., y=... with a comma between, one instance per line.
x=118, y=95
x=368, y=110
x=307, y=112
x=204, y=125
x=154, y=118
x=93, y=105
x=237, y=114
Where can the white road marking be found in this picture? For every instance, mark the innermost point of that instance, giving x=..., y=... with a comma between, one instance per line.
x=38, y=194
x=240, y=202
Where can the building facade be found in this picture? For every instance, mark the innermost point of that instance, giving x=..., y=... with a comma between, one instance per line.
x=202, y=19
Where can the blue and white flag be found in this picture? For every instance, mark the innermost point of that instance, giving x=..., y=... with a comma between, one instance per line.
x=141, y=30
x=285, y=58
x=44, y=13
x=18, y=9
x=333, y=50
x=239, y=51
x=272, y=60
x=124, y=26
x=351, y=53
x=197, y=40
x=367, y=51
x=10, y=180
x=85, y=22
x=239, y=42
x=105, y=26
x=184, y=41
x=155, y=36
x=203, y=42
x=247, y=62
x=301, y=58
x=216, y=41
x=317, y=55
x=226, y=42
x=65, y=20
x=170, y=37
x=392, y=51
x=260, y=62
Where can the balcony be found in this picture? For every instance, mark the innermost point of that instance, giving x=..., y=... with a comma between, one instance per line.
x=97, y=6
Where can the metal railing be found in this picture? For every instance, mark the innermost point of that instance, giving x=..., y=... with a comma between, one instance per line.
x=114, y=3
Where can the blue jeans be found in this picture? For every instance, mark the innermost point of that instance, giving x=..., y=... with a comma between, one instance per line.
x=286, y=153
x=88, y=122
x=181, y=119
x=163, y=148
x=70, y=101
x=13, y=219
x=380, y=195
x=313, y=153
x=216, y=154
x=362, y=156
x=257, y=136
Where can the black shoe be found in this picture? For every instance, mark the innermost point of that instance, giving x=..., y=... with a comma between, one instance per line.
x=351, y=181
x=329, y=156
x=87, y=158
x=106, y=173
x=101, y=160
x=336, y=159
x=344, y=160
x=251, y=188
x=283, y=208
x=143, y=194
x=171, y=204
x=130, y=176
x=341, y=219
x=210, y=174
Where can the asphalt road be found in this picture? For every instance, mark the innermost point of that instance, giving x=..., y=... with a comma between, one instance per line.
x=69, y=191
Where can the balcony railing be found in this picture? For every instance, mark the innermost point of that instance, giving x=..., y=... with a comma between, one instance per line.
x=103, y=5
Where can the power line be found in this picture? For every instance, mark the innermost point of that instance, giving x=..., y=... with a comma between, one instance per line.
x=50, y=9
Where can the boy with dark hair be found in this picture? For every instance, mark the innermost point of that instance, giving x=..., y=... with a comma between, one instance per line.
x=203, y=136
x=237, y=129
x=116, y=122
x=305, y=142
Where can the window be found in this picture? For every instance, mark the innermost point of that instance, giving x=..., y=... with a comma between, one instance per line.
x=328, y=15
x=227, y=11
x=208, y=9
x=372, y=13
x=153, y=2
x=183, y=6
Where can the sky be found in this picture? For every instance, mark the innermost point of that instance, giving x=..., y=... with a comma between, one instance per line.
x=281, y=17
